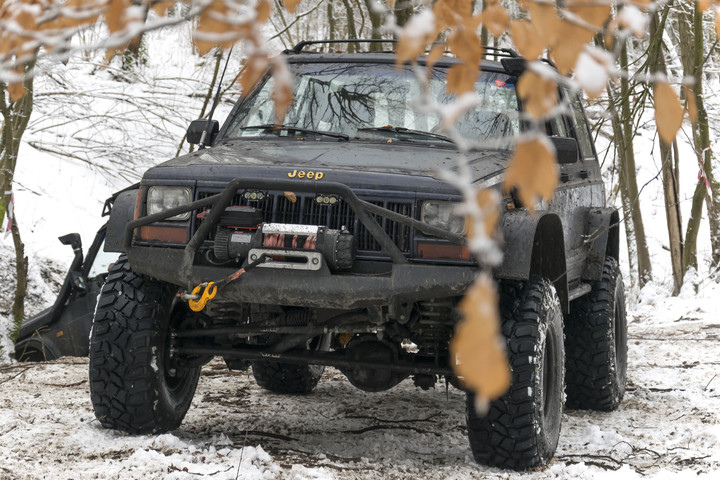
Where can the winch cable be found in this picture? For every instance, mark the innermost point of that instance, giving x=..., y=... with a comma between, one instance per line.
x=203, y=293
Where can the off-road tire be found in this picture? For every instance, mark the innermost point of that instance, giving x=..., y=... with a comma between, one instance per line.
x=522, y=428
x=287, y=378
x=596, y=344
x=132, y=385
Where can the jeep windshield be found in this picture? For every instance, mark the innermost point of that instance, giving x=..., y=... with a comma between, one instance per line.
x=376, y=102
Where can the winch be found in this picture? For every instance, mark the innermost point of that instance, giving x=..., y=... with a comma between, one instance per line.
x=241, y=235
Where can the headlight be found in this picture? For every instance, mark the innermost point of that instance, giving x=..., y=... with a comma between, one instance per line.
x=164, y=198
x=441, y=215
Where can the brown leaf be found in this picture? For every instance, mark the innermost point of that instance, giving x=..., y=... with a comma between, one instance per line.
x=538, y=93
x=255, y=68
x=264, y=9
x=291, y=197
x=115, y=15
x=16, y=91
x=571, y=41
x=291, y=5
x=210, y=25
x=526, y=39
x=545, y=20
x=717, y=21
x=161, y=8
x=466, y=45
x=282, y=89
x=691, y=105
x=703, y=5
x=449, y=13
x=477, y=346
x=668, y=111
x=488, y=202
x=26, y=19
x=435, y=54
x=533, y=171
x=595, y=13
x=496, y=19
x=461, y=78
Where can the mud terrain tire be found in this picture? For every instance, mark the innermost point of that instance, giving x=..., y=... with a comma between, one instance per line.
x=521, y=428
x=287, y=378
x=133, y=387
x=596, y=344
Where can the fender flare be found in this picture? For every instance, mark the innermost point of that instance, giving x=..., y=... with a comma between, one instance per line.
x=602, y=234
x=534, y=244
x=123, y=212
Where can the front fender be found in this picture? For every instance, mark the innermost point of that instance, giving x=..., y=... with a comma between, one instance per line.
x=534, y=244
x=123, y=212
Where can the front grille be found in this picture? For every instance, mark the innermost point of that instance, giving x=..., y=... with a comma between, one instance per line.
x=305, y=210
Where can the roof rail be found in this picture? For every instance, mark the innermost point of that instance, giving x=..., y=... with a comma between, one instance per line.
x=494, y=51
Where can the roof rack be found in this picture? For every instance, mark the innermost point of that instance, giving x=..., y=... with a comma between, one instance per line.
x=489, y=51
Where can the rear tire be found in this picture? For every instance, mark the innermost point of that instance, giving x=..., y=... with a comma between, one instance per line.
x=134, y=384
x=596, y=344
x=522, y=428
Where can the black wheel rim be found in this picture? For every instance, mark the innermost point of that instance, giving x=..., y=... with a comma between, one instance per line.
x=549, y=384
x=620, y=331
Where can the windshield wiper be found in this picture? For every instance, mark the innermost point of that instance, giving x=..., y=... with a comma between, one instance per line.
x=406, y=131
x=290, y=128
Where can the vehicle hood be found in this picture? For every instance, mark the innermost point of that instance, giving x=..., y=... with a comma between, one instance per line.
x=338, y=161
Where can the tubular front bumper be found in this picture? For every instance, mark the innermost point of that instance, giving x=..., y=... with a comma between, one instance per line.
x=405, y=282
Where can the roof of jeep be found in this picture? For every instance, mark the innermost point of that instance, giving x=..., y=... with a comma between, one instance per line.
x=299, y=55
x=380, y=57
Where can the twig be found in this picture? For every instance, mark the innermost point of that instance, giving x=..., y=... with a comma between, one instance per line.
x=15, y=376
x=242, y=452
x=708, y=384
x=66, y=385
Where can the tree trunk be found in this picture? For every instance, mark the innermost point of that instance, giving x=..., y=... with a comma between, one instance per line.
x=628, y=176
x=15, y=118
x=692, y=48
x=352, y=33
x=376, y=20
x=656, y=57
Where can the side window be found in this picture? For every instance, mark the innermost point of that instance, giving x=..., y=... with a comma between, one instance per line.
x=579, y=122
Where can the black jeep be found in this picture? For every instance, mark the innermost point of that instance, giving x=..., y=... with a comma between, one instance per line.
x=330, y=240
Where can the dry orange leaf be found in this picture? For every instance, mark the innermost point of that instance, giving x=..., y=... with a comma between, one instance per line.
x=594, y=13
x=538, y=93
x=533, y=171
x=291, y=5
x=461, y=78
x=668, y=111
x=496, y=19
x=571, y=41
x=488, y=202
x=477, y=347
x=703, y=5
x=115, y=14
x=161, y=8
x=210, y=24
x=282, y=90
x=16, y=91
x=717, y=20
x=466, y=45
x=264, y=9
x=436, y=53
x=526, y=39
x=255, y=68
x=691, y=105
x=545, y=20
x=449, y=13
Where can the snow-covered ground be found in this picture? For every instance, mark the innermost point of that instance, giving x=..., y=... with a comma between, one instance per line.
x=667, y=427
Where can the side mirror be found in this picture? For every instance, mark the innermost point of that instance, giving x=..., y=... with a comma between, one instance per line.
x=567, y=149
x=72, y=239
x=198, y=127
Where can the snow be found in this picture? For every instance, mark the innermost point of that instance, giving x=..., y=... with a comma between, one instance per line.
x=668, y=426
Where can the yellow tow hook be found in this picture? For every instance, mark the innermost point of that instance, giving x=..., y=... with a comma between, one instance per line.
x=207, y=295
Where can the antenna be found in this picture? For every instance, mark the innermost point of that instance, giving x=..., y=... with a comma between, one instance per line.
x=216, y=100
